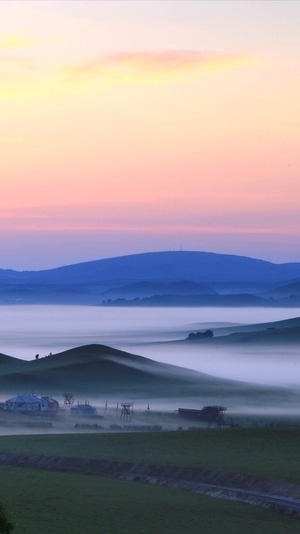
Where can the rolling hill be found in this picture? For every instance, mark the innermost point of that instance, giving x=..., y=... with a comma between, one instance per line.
x=277, y=333
x=286, y=291
x=99, y=371
x=157, y=275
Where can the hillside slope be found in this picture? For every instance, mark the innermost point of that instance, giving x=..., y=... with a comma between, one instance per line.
x=180, y=274
x=100, y=371
x=277, y=333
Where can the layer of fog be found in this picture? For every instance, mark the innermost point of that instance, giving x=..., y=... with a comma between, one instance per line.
x=29, y=330
x=159, y=412
x=273, y=366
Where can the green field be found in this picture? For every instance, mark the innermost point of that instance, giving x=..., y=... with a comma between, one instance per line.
x=266, y=452
x=55, y=503
x=41, y=501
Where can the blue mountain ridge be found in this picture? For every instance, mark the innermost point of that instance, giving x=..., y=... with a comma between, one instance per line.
x=164, y=271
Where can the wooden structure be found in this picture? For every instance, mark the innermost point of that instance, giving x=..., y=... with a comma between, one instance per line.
x=69, y=399
x=126, y=411
x=208, y=414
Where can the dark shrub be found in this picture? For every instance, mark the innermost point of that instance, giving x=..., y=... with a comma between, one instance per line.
x=6, y=526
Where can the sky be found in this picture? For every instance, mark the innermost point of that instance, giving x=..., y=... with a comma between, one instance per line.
x=136, y=126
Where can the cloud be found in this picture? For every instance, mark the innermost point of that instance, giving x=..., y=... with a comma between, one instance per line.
x=14, y=66
x=22, y=72
x=8, y=46
x=15, y=74
x=126, y=217
x=140, y=66
x=9, y=42
x=15, y=62
x=18, y=72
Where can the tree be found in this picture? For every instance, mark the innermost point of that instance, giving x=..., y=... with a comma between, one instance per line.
x=6, y=526
x=200, y=335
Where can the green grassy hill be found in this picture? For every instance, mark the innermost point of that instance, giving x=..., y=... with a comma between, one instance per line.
x=97, y=370
x=286, y=332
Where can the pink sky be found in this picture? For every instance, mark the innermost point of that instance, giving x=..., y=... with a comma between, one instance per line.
x=128, y=127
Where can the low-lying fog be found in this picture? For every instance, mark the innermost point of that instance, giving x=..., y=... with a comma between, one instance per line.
x=266, y=366
x=29, y=330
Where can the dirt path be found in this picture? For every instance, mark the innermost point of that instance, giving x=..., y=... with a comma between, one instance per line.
x=262, y=492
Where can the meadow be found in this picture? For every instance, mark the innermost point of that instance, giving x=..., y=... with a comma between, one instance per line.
x=270, y=452
x=42, y=501
x=59, y=503
x=72, y=503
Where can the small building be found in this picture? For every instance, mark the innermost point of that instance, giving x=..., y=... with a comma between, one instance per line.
x=84, y=410
x=31, y=404
x=52, y=404
x=208, y=414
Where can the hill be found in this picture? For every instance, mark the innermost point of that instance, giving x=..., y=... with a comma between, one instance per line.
x=286, y=291
x=99, y=371
x=278, y=333
x=155, y=275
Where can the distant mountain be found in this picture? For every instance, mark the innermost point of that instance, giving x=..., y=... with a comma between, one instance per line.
x=149, y=289
x=157, y=274
x=287, y=291
x=235, y=300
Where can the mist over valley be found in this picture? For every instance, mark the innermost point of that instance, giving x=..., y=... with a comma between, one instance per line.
x=154, y=307
x=243, y=366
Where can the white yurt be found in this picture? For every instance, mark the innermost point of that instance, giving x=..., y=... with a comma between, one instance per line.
x=31, y=403
x=84, y=410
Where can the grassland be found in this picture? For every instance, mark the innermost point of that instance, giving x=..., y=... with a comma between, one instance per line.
x=55, y=503
x=67, y=503
x=72, y=503
x=265, y=452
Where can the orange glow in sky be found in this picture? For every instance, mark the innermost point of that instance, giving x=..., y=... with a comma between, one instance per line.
x=137, y=126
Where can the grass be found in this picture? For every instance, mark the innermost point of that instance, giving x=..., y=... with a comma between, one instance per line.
x=66, y=503
x=266, y=452
x=91, y=369
x=57, y=503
